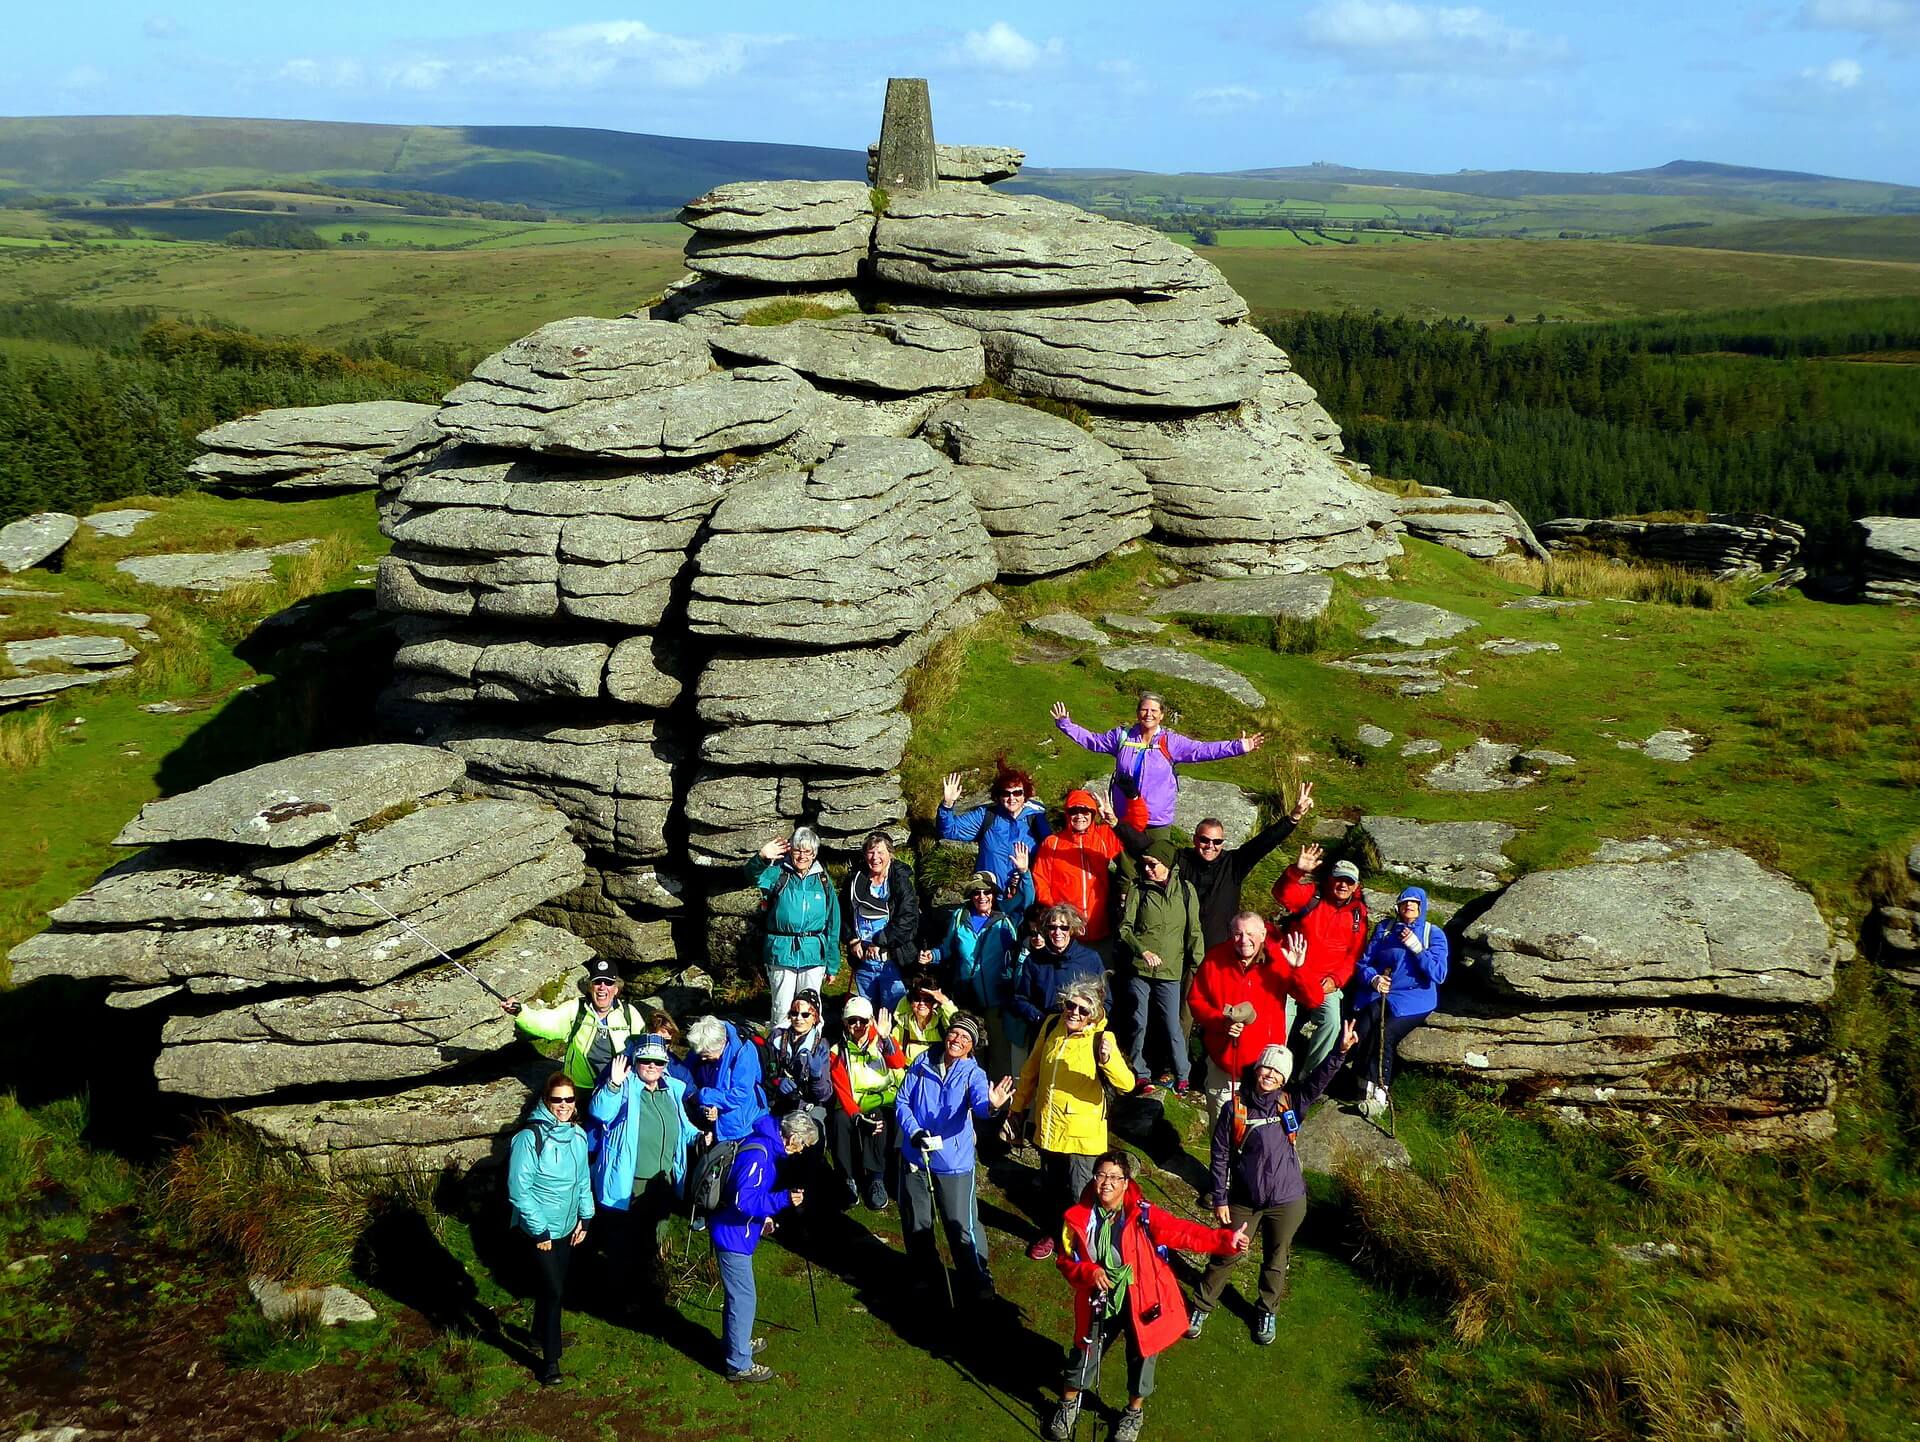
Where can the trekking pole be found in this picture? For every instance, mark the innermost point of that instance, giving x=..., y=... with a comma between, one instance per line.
x=480, y=981
x=811, y=1293
x=1385, y=1092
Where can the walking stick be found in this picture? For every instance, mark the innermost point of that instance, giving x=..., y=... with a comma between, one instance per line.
x=811, y=1293
x=490, y=991
x=1385, y=1090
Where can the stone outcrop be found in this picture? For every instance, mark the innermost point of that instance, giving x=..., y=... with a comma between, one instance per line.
x=1889, y=565
x=1727, y=544
x=1301, y=597
x=210, y=570
x=1691, y=984
x=1466, y=855
x=305, y=450
x=1899, y=927
x=1410, y=623
x=1477, y=528
x=963, y=164
x=35, y=540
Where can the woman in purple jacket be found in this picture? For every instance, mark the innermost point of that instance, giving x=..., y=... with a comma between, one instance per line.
x=1145, y=785
x=1257, y=1180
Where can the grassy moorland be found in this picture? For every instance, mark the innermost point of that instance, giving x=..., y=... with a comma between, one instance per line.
x=1851, y=237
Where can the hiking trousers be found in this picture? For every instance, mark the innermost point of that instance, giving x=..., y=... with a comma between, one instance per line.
x=785, y=982
x=1276, y=1226
x=1378, y=1068
x=1083, y=1364
x=551, y=1279
x=1161, y=997
x=956, y=1196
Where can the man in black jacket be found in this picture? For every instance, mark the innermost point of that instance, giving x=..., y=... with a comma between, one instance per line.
x=1218, y=872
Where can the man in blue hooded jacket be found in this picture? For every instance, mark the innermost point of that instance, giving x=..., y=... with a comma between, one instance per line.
x=1403, y=965
x=944, y=1093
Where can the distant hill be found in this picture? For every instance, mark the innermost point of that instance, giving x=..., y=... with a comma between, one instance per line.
x=1843, y=237
x=139, y=158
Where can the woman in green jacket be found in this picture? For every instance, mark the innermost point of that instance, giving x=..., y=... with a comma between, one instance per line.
x=1160, y=944
x=801, y=912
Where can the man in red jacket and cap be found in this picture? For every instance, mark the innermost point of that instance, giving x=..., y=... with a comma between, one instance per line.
x=1333, y=920
x=1240, y=1003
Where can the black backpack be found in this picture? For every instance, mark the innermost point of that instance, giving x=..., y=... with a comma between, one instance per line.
x=707, y=1180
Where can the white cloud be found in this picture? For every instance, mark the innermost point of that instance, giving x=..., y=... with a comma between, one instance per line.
x=1001, y=47
x=1835, y=74
x=574, y=60
x=1225, y=97
x=1393, y=36
x=1867, y=16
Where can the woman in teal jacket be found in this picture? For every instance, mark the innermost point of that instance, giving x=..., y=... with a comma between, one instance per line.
x=640, y=1169
x=550, y=1189
x=801, y=912
x=980, y=956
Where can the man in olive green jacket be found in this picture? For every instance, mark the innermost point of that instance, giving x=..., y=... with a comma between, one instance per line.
x=1160, y=946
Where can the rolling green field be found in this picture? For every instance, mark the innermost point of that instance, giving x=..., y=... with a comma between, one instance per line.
x=1852, y=237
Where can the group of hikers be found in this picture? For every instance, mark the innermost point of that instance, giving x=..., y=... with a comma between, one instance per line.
x=990, y=1027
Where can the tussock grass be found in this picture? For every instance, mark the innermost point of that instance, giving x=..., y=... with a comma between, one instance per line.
x=51, y=1183
x=785, y=312
x=1283, y=634
x=233, y=612
x=26, y=741
x=1586, y=576
x=1445, y=1228
x=992, y=390
x=271, y=1209
x=1682, y=1394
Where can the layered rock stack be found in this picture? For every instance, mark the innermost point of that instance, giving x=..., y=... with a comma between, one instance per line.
x=1694, y=986
x=1484, y=530
x=304, y=451
x=285, y=920
x=1889, y=551
x=1727, y=544
x=1899, y=923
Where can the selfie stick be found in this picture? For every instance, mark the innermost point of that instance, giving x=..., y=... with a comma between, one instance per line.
x=490, y=991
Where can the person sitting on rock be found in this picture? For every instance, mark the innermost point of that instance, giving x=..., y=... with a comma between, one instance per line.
x=1159, y=948
x=1241, y=1004
x=729, y=1095
x=980, y=955
x=865, y=1071
x=1403, y=966
x=1257, y=1180
x=1054, y=957
x=801, y=912
x=880, y=923
x=1333, y=919
x=1145, y=785
x=922, y=1022
x=1076, y=866
x=640, y=1165
x=1015, y=818
x=595, y=1027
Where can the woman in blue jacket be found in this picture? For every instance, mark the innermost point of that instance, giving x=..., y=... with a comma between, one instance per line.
x=550, y=1190
x=748, y=1206
x=945, y=1092
x=728, y=1094
x=641, y=1166
x=1015, y=818
x=980, y=958
x=1403, y=965
x=1055, y=956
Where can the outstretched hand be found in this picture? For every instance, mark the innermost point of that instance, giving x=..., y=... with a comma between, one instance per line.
x=1303, y=803
x=1252, y=741
x=1001, y=1092
x=1018, y=855
x=1059, y=711
x=510, y=1005
x=950, y=789
x=775, y=849
x=1311, y=855
x=1294, y=949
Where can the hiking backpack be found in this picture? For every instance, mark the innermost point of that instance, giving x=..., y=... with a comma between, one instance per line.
x=707, y=1178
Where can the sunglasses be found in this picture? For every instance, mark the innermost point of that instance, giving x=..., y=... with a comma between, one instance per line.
x=1008, y=795
x=981, y=891
x=1079, y=811
x=565, y=1101
x=1059, y=926
x=649, y=1061
x=1210, y=842
x=1076, y=1009
x=799, y=1013
x=603, y=981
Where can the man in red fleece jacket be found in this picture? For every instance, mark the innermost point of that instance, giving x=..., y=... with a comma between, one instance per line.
x=1333, y=920
x=1245, y=973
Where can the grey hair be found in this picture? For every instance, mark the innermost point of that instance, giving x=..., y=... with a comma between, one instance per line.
x=705, y=1033
x=1090, y=991
x=1065, y=911
x=798, y=1126
x=1146, y=696
x=1211, y=821
x=804, y=838
x=1240, y=916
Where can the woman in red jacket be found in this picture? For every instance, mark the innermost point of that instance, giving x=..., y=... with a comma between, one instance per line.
x=1114, y=1247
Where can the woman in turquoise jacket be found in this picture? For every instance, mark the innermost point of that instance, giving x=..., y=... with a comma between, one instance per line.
x=980, y=956
x=640, y=1169
x=550, y=1189
x=801, y=913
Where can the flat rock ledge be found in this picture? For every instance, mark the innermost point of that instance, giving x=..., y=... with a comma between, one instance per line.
x=1410, y=623
x=210, y=570
x=1183, y=666
x=1481, y=529
x=305, y=450
x=1467, y=855
x=1899, y=923
x=35, y=540
x=1889, y=559
x=1289, y=598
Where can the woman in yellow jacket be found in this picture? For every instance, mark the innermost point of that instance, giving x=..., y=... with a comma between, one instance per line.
x=1073, y=1062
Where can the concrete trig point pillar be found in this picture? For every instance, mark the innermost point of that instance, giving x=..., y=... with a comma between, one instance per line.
x=906, y=160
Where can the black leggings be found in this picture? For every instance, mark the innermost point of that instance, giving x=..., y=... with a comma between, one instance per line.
x=551, y=1267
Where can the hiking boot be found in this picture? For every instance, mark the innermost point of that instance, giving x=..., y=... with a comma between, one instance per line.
x=1127, y=1428
x=1182, y=1087
x=1373, y=1103
x=1143, y=1086
x=1264, y=1328
x=758, y=1372
x=758, y=1346
x=876, y=1195
x=551, y=1376
x=851, y=1197
x=1040, y=1250
x=1064, y=1416
x=1164, y=1078
x=1196, y=1322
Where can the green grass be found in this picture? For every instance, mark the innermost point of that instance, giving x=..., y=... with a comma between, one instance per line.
x=1851, y=237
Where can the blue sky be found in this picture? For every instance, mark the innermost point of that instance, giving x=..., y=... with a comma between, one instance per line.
x=1822, y=85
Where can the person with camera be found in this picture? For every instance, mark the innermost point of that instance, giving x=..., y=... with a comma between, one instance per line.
x=749, y=1203
x=1114, y=1250
x=550, y=1192
x=980, y=955
x=922, y=1023
x=1064, y=1086
x=593, y=1028
x=1257, y=1180
x=944, y=1094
